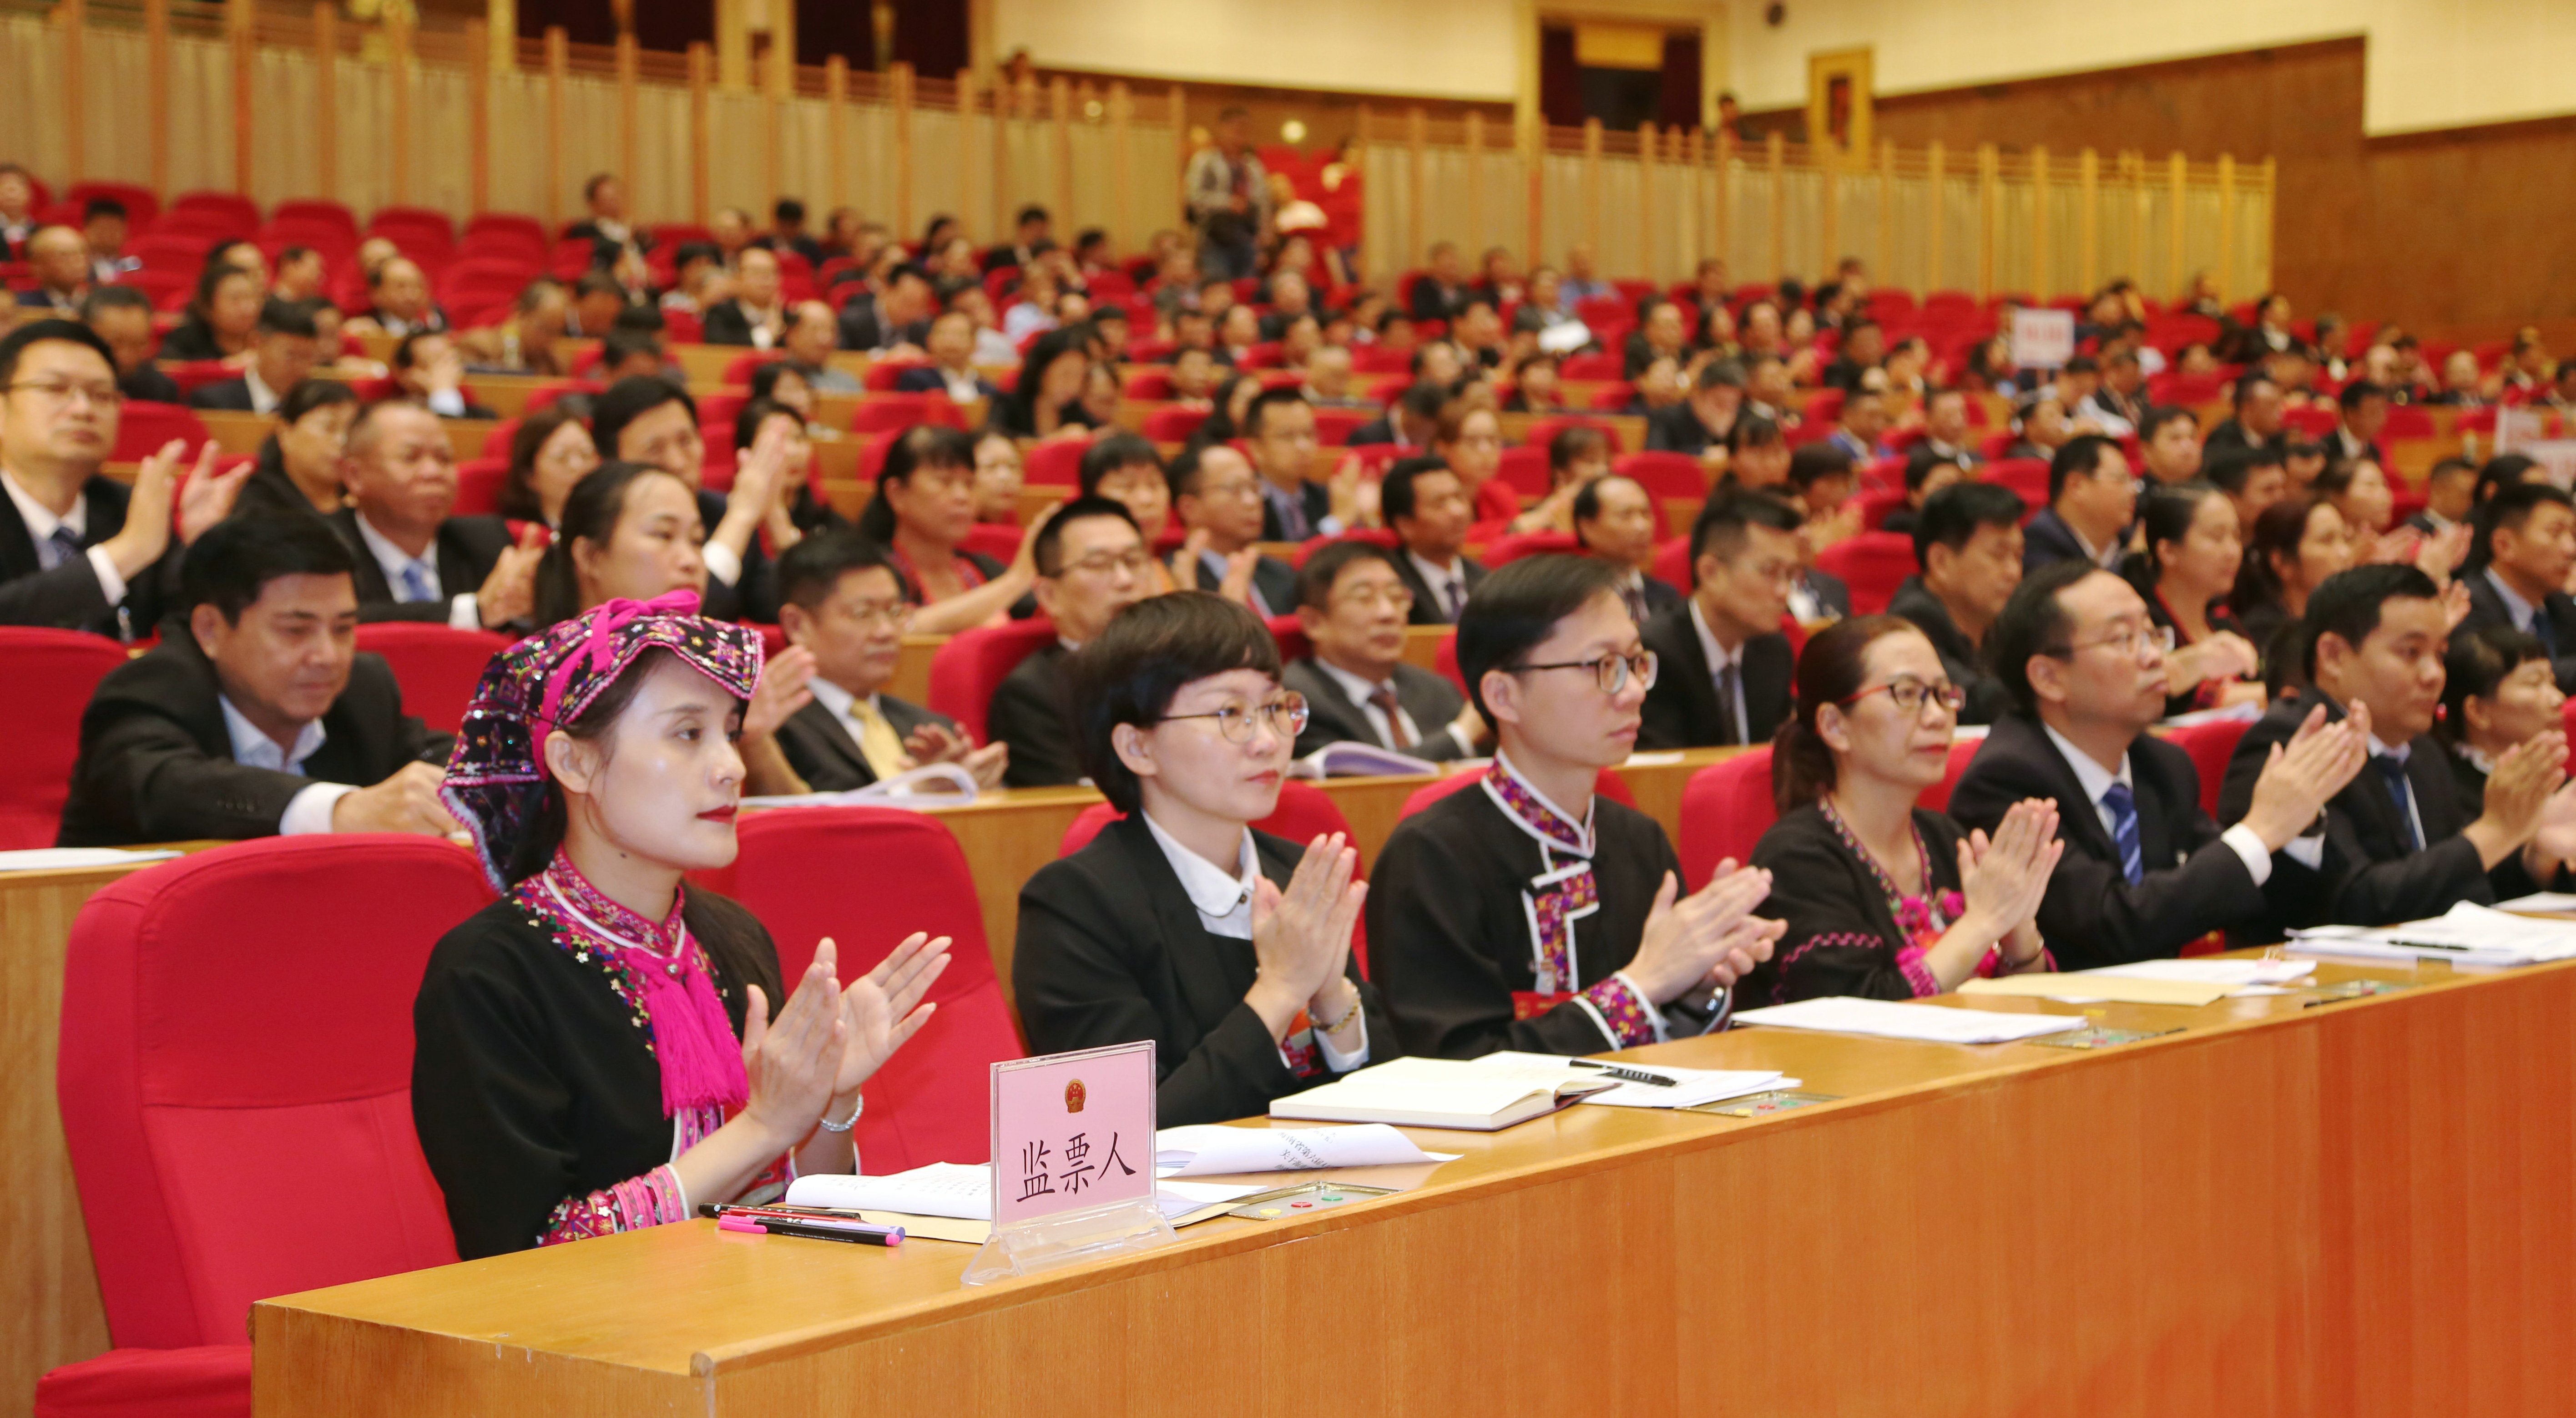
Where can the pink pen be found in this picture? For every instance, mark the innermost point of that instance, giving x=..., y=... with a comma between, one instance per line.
x=741, y=1223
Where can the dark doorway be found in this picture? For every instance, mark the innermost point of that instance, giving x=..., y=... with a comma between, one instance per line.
x=1623, y=95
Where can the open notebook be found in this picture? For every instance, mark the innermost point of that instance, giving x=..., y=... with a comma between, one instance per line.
x=1444, y=1093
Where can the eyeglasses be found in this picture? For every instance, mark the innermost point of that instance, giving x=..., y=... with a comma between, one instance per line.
x=897, y=613
x=1611, y=672
x=1135, y=562
x=1395, y=594
x=100, y=396
x=1286, y=715
x=1909, y=695
x=2134, y=642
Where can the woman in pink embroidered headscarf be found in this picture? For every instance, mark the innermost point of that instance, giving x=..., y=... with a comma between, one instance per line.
x=605, y=1048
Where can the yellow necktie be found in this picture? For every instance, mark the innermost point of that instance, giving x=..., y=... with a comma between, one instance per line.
x=879, y=744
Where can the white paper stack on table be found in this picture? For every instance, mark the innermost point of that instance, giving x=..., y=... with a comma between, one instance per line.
x=2467, y=934
x=1500, y=1089
x=76, y=858
x=1890, y=1019
x=1215, y=1150
x=953, y=1201
x=2177, y=982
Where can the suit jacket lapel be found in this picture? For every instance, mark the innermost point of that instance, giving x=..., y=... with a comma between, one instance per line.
x=1181, y=939
x=824, y=730
x=17, y=545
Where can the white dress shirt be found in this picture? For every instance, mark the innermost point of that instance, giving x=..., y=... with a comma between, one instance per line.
x=843, y=706
x=2089, y=775
x=2516, y=608
x=310, y=809
x=463, y=613
x=41, y=523
x=1358, y=691
x=263, y=400
x=964, y=386
x=1224, y=904
x=1720, y=657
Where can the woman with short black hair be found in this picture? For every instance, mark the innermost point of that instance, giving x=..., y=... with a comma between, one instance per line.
x=1228, y=947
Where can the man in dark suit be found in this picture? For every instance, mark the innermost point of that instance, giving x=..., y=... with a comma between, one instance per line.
x=79, y=550
x=895, y=320
x=2528, y=534
x=1968, y=544
x=843, y=603
x=2361, y=411
x=1440, y=292
x=1215, y=491
x=1864, y=346
x=428, y=367
x=951, y=370
x=2397, y=843
x=1279, y=435
x=2091, y=499
x=1428, y=509
x=606, y=228
x=2258, y=421
x=401, y=302
x=412, y=561
x=755, y=314
x=1724, y=664
x=1614, y=519
x=1352, y=604
x=255, y=715
x=1410, y=422
x=284, y=349
x=1701, y=422
x=1945, y=437
x=1091, y=563
x=2146, y=871
x=122, y=316
x=1032, y=226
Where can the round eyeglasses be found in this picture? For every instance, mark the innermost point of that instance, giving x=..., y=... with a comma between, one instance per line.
x=1286, y=715
x=1611, y=672
x=1909, y=695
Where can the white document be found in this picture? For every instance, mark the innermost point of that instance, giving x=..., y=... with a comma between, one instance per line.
x=964, y=1192
x=1690, y=1086
x=1349, y=758
x=75, y=858
x=1215, y=1150
x=1889, y=1019
x=2467, y=934
x=2541, y=903
x=2245, y=979
x=931, y=785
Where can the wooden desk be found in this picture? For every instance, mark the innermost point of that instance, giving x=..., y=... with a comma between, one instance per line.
x=2262, y=1215
x=50, y=1312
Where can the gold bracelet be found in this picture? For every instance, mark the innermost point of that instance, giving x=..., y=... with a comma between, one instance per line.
x=1338, y=1025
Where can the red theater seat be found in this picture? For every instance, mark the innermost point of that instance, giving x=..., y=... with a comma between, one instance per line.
x=55, y=672
x=436, y=665
x=965, y=671
x=2210, y=746
x=219, y=1055
x=1873, y=564
x=928, y=1104
x=1726, y=807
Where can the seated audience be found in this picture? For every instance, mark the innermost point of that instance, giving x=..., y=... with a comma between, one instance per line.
x=255, y=715
x=627, y=531
x=2448, y=488
x=1091, y=564
x=1700, y=424
x=2257, y=422
x=1352, y=604
x=2091, y=499
x=1279, y=435
x=924, y=507
x=298, y=467
x=1614, y=520
x=1526, y=911
x=2193, y=557
x=1863, y=422
x=80, y=550
x=428, y=367
x=1229, y=948
x=1758, y=455
x=400, y=302
x=2040, y=428
x=1427, y=507
x=2498, y=690
x=1945, y=440
x=541, y=1111
x=998, y=479
x=2527, y=542
x=2359, y=490
x=222, y=320
x=951, y=370
x=892, y=320
x=58, y=260
x=1968, y=543
x=413, y=560
x=1047, y=401
x=2117, y=407
x=2397, y=844
x=1577, y=454
x=1923, y=478
x=2146, y=872
x=1469, y=439
x=813, y=333
x=1219, y=501
x=2254, y=481
x=842, y=601
x=1412, y=421
x=1883, y=898
x=1725, y=661
x=122, y=316
x=549, y=455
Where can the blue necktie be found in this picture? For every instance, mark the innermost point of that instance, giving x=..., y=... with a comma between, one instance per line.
x=2543, y=631
x=66, y=545
x=2124, y=830
x=416, y=584
x=2393, y=770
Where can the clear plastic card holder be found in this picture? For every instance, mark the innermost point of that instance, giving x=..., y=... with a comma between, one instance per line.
x=1069, y=1238
x=1073, y=1162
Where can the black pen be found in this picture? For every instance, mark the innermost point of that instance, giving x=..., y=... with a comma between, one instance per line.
x=1631, y=1075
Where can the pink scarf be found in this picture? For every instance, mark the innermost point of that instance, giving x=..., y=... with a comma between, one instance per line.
x=660, y=972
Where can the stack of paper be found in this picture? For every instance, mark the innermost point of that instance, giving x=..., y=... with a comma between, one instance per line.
x=1215, y=1150
x=1443, y=1093
x=960, y=1196
x=2541, y=903
x=1690, y=1087
x=76, y=858
x=1888, y=1019
x=2468, y=934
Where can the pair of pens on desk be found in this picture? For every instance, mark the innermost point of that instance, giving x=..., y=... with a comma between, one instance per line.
x=813, y=1226
x=1629, y=1075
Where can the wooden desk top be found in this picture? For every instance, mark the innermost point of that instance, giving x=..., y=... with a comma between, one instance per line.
x=688, y=1300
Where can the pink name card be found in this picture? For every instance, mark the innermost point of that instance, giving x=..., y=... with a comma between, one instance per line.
x=1072, y=1132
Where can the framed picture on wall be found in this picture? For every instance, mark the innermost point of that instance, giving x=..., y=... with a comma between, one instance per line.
x=1838, y=99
